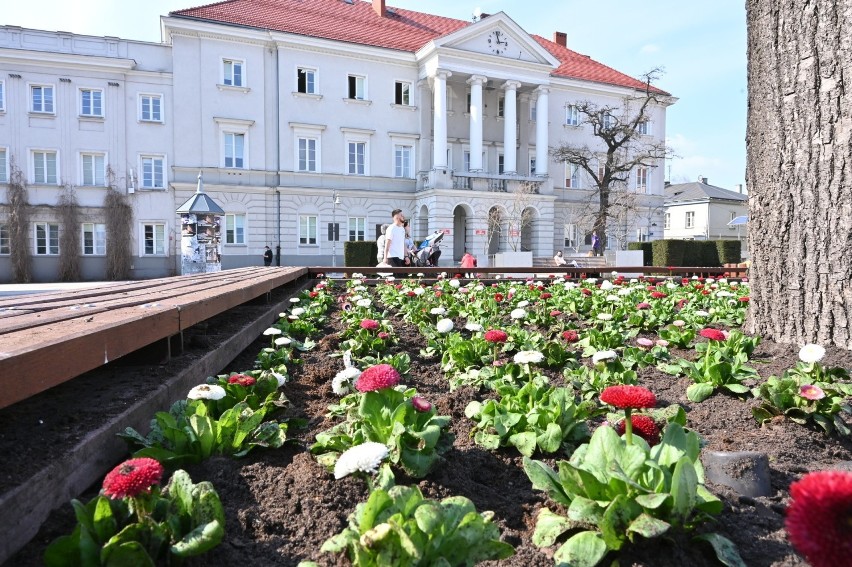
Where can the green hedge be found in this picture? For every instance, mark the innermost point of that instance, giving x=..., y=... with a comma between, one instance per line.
x=730, y=251
x=360, y=253
x=647, y=251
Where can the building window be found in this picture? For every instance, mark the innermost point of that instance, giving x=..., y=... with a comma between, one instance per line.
x=533, y=111
x=235, y=145
x=150, y=108
x=357, y=228
x=308, y=154
x=46, y=239
x=469, y=102
x=44, y=168
x=94, y=239
x=154, y=239
x=501, y=164
x=467, y=160
x=667, y=221
x=5, y=249
x=644, y=128
x=4, y=166
x=357, y=87
x=232, y=71
x=153, y=169
x=572, y=176
x=2, y=96
x=41, y=97
x=572, y=115
x=91, y=102
x=307, y=229
x=532, y=165
x=570, y=236
x=93, y=170
x=641, y=179
x=306, y=80
x=235, y=229
x=733, y=216
x=642, y=234
x=357, y=158
x=403, y=158
x=690, y=219
x=608, y=121
x=402, y=93
x=501, y=106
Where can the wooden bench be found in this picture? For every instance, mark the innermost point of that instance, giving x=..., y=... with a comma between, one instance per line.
x=46, y=339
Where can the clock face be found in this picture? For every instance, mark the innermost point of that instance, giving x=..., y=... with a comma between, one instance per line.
x=498, y=42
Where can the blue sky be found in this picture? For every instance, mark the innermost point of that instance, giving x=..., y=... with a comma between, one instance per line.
x=701, y=46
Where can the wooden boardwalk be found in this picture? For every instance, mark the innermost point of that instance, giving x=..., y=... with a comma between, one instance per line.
x=49, y=338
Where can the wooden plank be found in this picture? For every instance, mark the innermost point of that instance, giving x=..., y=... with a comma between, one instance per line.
x=33, y=360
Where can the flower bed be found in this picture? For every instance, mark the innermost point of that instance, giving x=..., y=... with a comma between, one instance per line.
x=281, y=505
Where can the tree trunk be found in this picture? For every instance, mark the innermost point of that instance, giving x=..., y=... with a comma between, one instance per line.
x=799, y=171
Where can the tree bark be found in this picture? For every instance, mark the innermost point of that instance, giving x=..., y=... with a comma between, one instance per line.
x=799, y=171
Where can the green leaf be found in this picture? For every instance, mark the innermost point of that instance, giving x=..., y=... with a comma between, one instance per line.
x=128, y=554
x=648, y=526
x=551, y=439
x=104, y=522
x=545, y=478
x=616, y=518
x=64, y=551
x=699, y=392
x=651, y=501
x=548, y=527
x=737, y=388
x=429, y=516
x=684, y=489
x=585, y=549
x=585, y=510
x=203, y=538
x=378, y=501
x=525, y=442
x=725, y=549
x=761, y=414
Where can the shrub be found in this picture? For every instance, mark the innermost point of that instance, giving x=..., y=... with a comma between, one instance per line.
x=730, y=251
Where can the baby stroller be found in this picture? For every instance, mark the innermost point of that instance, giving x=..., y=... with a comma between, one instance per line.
x=429, y=251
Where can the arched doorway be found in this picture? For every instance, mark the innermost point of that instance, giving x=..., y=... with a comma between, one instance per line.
x=495, y=230
x=459, y=232
x=528, y=230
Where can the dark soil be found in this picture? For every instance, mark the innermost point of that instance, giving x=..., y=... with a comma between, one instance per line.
x=281, y=505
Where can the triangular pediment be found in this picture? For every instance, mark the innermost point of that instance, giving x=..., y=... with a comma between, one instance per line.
x=499, y=36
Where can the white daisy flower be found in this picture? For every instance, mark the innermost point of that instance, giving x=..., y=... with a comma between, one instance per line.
x=281, y=378
x=365, y=457
x=356, y=297
x=357, y=279
x=480, y=287
x=347, y=358
x=298, y=311
x=419, y=291
x=294, y=300
x=606, y=285
x=710, y=280
x=724, y=281
x=272, y=331
x=605, y=316
x=702, y=313
x=678, y=322
x=528, y=357
x=569, y=286
x=360, y=288
x=518, y=314
x=455, y=283
x=625, y=291
x=364, y=303
x=282, y=315
x=444, y=326
x=523, y=303
x=283, y=341
x=591, y=280
x=475, y=327
x=724, y=293
x=811, y=353
x=206, y=392
x=671, y=285
x=604, y=355
x=343, y=379
x=612, y=298
x=437, y=311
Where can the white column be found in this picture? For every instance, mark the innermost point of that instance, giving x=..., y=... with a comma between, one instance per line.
x=510, y=125
x=541, y=130
x=476, y=82
x=439, y=157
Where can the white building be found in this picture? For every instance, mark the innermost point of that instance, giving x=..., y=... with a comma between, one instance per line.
x=700, y=211
x=283, y=105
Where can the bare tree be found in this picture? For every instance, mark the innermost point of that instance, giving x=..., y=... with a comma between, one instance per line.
x=19, y=215
x=799, y=173
x=69, y=243
x=621, y=147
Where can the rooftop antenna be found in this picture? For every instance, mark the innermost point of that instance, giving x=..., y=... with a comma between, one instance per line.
x=477, y=14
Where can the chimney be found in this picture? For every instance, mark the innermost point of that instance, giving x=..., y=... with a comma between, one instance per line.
x=379, y=7
x=667, y=183
x=561, y=38
x=740, y=188
x=702, y=179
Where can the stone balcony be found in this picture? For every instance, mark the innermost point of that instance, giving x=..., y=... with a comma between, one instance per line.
x=481, y=181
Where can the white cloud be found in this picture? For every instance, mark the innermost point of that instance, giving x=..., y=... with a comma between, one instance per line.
x=649, y=48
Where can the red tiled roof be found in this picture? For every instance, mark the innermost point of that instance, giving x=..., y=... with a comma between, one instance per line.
x=404, y=30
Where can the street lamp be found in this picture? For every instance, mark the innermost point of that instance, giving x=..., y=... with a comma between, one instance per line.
x=335, y=200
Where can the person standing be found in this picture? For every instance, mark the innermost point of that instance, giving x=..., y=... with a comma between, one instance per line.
x=596, y=244
x=468, y=261
x=267, y=256
x=380, y=244
x=395, y=241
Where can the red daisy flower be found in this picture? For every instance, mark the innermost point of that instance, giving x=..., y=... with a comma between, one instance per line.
x=546, y=295
x=438, y=294
x=658, y=294
x=819, y=519
x=570, y=336
x=383, y=335
x=632, y=397
x=555, y=313
x=644, y=426
x=498, y=297
x=242, y=380
x=496, y=336
x=650, y=288
x=370, y=324
x=705, y=292
x=643, y=305
x=421, y=404
x=745, y=299
x=712, y=334
x=377, y=377
x=133, y=477
x=313, y=294
x=586, y=291
x=410, y=294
